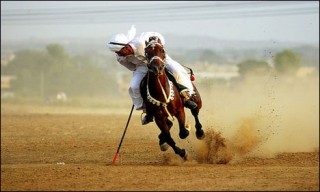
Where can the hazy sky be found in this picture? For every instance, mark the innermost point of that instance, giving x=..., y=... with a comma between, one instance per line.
x=293, y=21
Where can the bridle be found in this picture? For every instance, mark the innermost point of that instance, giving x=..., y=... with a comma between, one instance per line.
x=153, y=43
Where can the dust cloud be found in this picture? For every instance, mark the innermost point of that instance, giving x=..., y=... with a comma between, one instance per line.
x=259, y=117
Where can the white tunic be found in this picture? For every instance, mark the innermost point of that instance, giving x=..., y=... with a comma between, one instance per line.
x=181, y=75
x=139, y=67
x=138, y=64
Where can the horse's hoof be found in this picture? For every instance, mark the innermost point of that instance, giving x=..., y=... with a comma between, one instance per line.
x=184, y=134
x=182, y=153
x=164, y=147
x=186, y=156
x=188, y=127
x=200, y=134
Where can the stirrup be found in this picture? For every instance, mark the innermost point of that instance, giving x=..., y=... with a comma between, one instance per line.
x=146, y=119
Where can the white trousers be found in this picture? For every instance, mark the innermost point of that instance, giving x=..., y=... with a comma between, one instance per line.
x=134, y=89
x=180, y=73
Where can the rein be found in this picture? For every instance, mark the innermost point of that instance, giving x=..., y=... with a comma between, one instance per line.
x=167, y=98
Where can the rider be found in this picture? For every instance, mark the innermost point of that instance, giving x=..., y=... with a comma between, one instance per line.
x=132, y=57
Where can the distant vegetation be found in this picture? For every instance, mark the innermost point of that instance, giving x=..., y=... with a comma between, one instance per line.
x=46, y=73
x=285, y=62
x=87, y=71
x=255, y=67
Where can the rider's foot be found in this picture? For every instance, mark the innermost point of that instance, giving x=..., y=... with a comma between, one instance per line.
x=147, y=119
x=187, y=101
x=190, y=104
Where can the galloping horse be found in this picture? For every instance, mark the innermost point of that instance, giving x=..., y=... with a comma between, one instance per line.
x=163, y=100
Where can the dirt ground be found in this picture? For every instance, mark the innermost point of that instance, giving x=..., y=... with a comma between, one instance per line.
x=64, y=152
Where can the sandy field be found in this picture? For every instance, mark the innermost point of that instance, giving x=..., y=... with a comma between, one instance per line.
x=259, y=140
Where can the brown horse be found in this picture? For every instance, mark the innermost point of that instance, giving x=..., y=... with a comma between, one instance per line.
x=162, y=98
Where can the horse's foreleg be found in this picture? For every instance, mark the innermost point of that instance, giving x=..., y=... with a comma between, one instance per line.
x=165, y=136
x=169, y=123
x=162, y=142
x=172, y=143
x=183, y=132
x=198, y=126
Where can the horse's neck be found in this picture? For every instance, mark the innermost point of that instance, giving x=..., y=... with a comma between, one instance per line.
x=158, y=85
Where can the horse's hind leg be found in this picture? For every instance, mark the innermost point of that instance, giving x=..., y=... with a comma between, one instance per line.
x=199, y=131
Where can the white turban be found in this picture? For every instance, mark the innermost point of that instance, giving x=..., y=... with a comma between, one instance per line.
x=138, y=44
x=145, y=36
x=121, y=38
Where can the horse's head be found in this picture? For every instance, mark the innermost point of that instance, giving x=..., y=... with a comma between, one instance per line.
x=155, y=55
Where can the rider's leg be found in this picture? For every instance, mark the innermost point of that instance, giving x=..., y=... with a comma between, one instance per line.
x=148, y=117
x=135, y=94
x=184, y=91
x=134, y=89
x=186, y=99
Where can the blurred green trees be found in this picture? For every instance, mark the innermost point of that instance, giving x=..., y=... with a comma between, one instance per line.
x=287, y=62
x=45, y=73
x=253, y=67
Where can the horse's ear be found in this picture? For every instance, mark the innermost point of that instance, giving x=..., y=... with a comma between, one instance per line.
x=146, y=42
x=159, y=40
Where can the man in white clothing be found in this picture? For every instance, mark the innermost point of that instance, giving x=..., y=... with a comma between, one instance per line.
x=131, y=55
